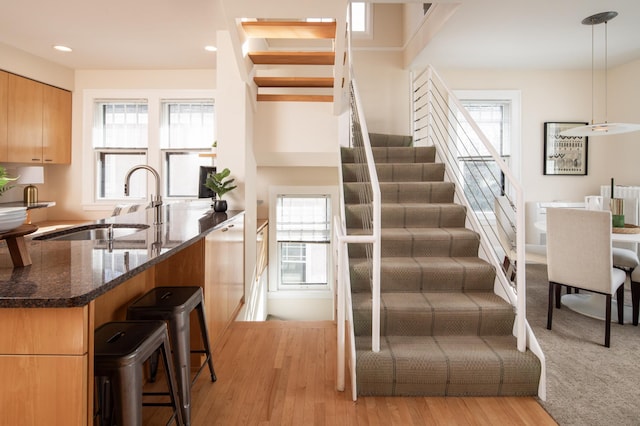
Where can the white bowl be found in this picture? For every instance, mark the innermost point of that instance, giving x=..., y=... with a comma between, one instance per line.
x=12, y=223
x=12, y=210
x=8, y=216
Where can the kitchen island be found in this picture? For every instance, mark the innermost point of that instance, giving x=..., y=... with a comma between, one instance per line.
x=48, y=310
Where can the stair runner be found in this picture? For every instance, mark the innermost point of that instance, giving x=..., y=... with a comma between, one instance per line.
x=444, y=332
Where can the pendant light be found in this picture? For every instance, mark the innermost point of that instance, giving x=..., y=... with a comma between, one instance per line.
x=605, y=128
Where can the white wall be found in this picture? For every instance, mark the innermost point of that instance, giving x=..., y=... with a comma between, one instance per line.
x=384, y=88
x=291, y=134
x=24, y=64
x=621, y=151
x=565, y=96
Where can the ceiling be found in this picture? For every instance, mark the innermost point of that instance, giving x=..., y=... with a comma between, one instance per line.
x=170, y=34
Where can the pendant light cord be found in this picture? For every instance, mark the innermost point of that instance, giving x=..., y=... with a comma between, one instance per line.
x=593, y=78
x=606, y=80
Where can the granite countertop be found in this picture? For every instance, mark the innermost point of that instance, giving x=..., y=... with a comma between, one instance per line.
x=73, y=273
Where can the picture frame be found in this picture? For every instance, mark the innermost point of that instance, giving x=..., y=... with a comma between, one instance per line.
x=203, y=191
x=564, y=155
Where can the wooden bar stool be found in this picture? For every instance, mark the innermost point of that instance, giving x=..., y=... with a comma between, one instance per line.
x=120, y=350
x=174, y=305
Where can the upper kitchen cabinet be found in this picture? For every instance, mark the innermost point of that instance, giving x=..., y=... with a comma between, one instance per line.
x=56, y=126
x=39, y=122
x=4, y=88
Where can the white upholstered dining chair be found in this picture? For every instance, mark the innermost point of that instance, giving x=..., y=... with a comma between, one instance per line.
x=579, y=255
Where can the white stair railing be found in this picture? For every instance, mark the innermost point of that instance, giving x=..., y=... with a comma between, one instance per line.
x=441, y=120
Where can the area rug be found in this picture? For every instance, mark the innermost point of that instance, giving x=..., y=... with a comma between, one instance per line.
x=587, y=384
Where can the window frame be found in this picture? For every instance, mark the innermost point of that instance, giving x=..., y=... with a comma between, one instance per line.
x=513, y=98
x=275, y=288
x=155, y=153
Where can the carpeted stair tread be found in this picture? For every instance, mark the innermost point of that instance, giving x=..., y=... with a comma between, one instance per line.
x=435, y=314
x=421, y=242
x=397, y=172
x=402, y=192
x=429, y=274
x=422, y=154
x=445, y=366
x=383, y=139
x=410, y=215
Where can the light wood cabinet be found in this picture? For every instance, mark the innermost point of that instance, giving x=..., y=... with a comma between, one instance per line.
x=224, y=275
x=39, y=122
x=25, y=120
x=56, y=126
x=4, y=88
x=44, y=358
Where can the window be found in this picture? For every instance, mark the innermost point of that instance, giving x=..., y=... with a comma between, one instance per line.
x=496, y=115
x=303, y=233
x=120, y=141
x=166, y=133
x=189, y=131
x=360, y=19
x=300, y=240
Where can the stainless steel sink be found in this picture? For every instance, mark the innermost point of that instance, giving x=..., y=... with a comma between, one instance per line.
x=97, y=231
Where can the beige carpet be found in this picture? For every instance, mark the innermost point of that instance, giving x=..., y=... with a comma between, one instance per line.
x=587, y=384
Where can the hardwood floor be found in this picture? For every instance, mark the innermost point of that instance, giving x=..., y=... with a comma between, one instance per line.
x=284, y=373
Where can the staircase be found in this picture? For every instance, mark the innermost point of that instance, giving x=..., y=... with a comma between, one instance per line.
x=297, y=62
x=444, y=332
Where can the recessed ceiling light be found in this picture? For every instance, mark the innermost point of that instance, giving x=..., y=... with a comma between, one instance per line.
x=210, y=48
x=62, y=48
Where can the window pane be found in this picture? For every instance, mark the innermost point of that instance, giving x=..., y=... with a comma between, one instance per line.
x=189, y=125
x=483, y=183
x=303, y=263
x=303, y=235
x=303, y=218
x=183, y=173
x=121, y=125
x=358, y=17
x=484, y=179
x=111, y=170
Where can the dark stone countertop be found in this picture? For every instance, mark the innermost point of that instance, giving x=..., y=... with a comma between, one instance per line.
x=73, y=273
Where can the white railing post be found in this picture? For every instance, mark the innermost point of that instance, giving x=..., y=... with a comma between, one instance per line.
x=341, y=306
x=521, y=288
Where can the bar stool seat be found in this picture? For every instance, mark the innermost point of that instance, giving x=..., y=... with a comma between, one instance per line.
x=120, y=350
x=174, y=305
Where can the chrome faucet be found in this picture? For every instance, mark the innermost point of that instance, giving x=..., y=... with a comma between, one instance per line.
x=156, y=201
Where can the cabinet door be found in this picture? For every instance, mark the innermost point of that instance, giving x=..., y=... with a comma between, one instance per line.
x=4, y=88
x=56, y=126
x=24, y=120
x=224, y=275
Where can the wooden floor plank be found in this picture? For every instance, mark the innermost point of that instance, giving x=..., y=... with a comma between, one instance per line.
x=283, y=373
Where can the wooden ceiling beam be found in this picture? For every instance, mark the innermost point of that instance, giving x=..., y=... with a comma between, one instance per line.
x=292, y=58
x=290, y=29
x=293, y=81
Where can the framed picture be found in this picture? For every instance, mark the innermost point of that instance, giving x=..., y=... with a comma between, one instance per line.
x=564, y=155
x=203, y=191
